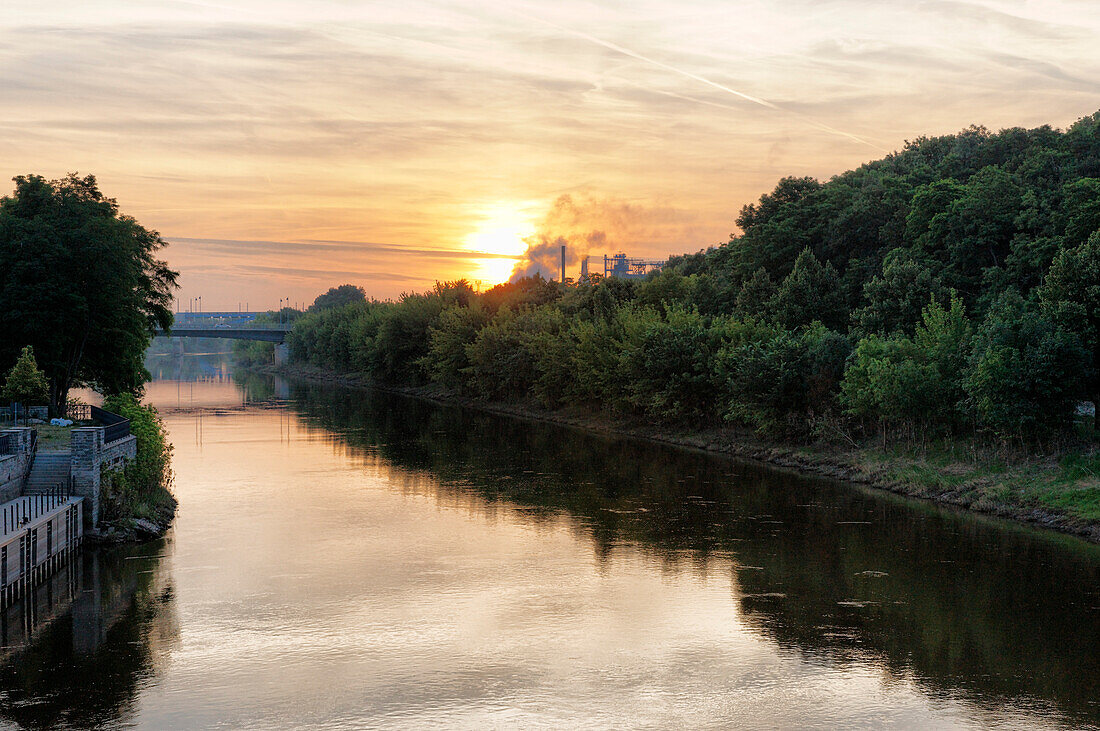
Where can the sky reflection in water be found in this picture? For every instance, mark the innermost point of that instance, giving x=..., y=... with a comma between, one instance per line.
x=347, y=559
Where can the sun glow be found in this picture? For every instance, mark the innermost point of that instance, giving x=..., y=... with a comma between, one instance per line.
x=501, y=232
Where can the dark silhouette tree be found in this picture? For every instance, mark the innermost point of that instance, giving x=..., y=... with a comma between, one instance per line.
x=80, y=282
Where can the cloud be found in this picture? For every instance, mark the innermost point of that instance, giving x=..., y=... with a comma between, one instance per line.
x=387, y=129
x=313, y=247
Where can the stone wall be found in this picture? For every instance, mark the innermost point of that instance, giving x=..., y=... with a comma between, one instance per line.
x=90, y=455
x=13, y=467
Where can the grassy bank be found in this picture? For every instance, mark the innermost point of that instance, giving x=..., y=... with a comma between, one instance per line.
x=1061, y=493
x=137, y=501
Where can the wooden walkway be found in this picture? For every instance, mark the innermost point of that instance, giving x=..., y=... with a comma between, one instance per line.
x=39, y=533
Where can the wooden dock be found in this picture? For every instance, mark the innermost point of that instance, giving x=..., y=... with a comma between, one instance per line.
x=38, y=533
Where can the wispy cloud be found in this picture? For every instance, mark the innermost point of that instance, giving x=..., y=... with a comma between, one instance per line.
x=371, y=137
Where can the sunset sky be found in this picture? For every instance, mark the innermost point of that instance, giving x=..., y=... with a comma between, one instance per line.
x=283, y=146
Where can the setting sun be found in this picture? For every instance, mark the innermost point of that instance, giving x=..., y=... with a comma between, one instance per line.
x=501, y=232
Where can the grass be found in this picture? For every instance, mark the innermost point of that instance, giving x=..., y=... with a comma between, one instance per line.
x=53, y=437
x=1070, y=485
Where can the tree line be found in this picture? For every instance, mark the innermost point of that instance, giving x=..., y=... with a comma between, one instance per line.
x=949, y=289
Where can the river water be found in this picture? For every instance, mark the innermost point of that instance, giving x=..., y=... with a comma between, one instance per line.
x=352, y=559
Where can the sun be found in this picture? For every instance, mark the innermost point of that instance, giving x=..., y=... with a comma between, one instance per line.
x=501, y=231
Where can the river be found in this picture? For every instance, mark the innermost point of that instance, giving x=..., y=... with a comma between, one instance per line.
x=353, y=559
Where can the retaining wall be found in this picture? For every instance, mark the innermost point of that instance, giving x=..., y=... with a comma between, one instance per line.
x=13, y=467
x=90, y=455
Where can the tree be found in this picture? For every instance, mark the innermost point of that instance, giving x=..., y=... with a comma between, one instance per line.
x=1070, y=295
x=1025, y=372
x=25, y=382
x=1083, y=210
x=338, y=297
x=809, y=293
x=896, y=299
x=755, y=294
x=81, y=283
x=456, y=328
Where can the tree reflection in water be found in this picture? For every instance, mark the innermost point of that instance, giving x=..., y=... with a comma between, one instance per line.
x=966, y=606
x=76, y=653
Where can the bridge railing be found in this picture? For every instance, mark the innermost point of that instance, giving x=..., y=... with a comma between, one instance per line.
x=279, y=326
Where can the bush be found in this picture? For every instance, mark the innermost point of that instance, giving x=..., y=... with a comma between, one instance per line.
x=519, y=354
x=670, y=368
x=142, y=489
x=779, y=380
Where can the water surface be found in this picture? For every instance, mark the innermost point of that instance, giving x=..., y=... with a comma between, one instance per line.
x=351, y=559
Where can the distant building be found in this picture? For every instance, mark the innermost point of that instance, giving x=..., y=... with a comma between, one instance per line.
x=625, y=267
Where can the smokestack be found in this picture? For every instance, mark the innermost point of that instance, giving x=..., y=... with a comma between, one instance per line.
x=563, y=263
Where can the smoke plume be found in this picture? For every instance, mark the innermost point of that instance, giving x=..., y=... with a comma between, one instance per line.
x=581, y=225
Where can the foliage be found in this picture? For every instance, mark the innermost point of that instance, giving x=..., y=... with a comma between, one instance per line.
x=896, y=299
x=1070, y=296
x=345, y=294
x=81, y=283
x=1026, y=373
x=25, y=383
x=808, y=294
x=755, y=295
x=143, y=488
x=455, y=330
x=669, y=368
x=779, y=380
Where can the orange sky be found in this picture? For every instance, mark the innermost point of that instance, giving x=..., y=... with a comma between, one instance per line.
x=284, y=147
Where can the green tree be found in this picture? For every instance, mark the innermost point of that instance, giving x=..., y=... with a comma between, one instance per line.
x=25, y=382
x=456, y=328
x=896, y=300
x=889, y=381
x=1070, y=295
x=1025, y=373
x=80, y=282
x=755, y=295
x=778, y=381
x=809, y=293
x=1083, y=210
x=509, y=357
x=335, y=297
x=142, y=489
x=404, y=337
x=671, y=367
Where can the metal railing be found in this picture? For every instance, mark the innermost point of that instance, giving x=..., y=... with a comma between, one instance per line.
x=117, y=427
x=78, y=412
x=21, y=511
x=7, y=444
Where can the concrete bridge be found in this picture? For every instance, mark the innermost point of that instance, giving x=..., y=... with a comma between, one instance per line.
x=265, y=333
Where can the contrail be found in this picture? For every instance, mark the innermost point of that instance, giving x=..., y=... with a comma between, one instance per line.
x=696, y=77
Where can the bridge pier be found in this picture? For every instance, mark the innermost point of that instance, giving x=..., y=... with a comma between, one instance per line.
x=282, y=353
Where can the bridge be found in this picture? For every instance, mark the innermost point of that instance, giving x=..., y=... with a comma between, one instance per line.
x=265, y=333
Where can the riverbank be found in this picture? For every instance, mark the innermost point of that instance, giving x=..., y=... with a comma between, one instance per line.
x=1059, y=493
x=136, y=522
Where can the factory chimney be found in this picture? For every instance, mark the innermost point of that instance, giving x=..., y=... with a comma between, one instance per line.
x=563, y=263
